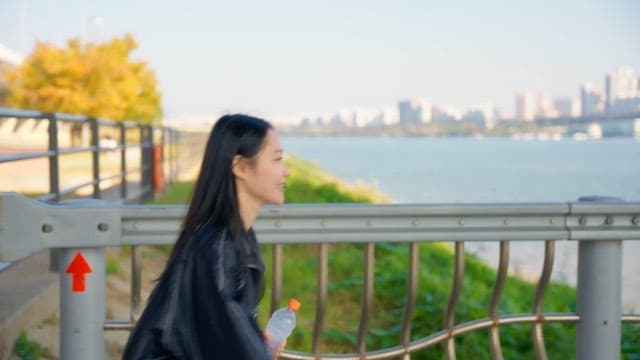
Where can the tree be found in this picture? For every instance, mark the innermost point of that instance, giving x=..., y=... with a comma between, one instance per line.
x=98, y=80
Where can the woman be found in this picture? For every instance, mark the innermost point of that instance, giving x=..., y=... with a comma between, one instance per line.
x=204, y=305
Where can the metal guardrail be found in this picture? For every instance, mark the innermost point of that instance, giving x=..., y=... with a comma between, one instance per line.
x=599, y=226
x=153, y=142
x=148, y=135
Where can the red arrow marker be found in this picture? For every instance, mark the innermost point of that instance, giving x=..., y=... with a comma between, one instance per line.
x=78, y=267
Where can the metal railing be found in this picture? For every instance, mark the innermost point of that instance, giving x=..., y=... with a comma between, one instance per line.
x=598, y=225
x=122, y=138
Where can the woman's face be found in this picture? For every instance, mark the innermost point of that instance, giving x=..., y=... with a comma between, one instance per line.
x=268, y=173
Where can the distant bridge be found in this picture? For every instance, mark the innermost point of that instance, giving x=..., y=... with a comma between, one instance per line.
x=588, y=119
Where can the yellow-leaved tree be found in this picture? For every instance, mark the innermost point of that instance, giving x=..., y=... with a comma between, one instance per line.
x=95, y=79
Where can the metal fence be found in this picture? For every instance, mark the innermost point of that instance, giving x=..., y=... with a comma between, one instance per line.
x=598, y=225
x=156, y=153
x=159, y=155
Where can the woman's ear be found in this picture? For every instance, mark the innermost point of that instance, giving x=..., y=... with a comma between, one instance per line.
x=239, y=167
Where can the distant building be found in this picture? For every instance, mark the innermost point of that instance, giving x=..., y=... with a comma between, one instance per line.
x=9, y=56
x=339, y=120
x=9, y=59
x=592, y=100
x=305, y=123
x=414, y=112
x=545, y=107
x=390, y=115
x=567, y=107
x=476, y=117
x=425, y=112
x=445, y=114
x=621, y=84
x=362, y=116
x=377, y=120
x=405, y=109
x=498, y=115
x=355, y=120
x=625, y=106
x=483, y=116
x=524, y=106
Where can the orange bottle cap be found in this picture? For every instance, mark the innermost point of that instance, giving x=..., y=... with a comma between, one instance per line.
x=294, y=304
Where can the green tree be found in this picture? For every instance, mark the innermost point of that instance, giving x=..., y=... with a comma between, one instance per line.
x=95, y=79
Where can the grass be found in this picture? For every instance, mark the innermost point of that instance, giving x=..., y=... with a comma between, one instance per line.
x=27, y=349
x=177, y=194
x=309, y=184
x=53, y=319
x=112, y=265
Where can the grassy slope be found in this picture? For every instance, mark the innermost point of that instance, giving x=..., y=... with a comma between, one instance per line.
x=309, y=184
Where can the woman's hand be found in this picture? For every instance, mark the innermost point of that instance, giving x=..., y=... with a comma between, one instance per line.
x=280, y=348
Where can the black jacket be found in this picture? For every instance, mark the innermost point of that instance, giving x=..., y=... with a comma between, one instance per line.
x=204, y=305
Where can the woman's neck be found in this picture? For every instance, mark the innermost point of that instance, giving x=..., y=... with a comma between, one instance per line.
x=248, y=211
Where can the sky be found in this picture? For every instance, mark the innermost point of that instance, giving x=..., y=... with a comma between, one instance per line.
x=284, y=59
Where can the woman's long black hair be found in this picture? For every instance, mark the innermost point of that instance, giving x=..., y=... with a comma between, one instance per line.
x=214, y=199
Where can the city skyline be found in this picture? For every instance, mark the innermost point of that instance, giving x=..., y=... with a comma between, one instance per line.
x=289, y=59
x=619, y=95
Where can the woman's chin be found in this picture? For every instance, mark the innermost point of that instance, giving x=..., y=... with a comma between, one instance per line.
x=277, y=201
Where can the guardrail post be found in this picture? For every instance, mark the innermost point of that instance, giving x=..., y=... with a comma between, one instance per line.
x=146, y=162
x=170, y=154
x=123, y=163
x=157, y=161
x=175, y=155
x=599, y=300
x=95, y=156
x=82, y=303
x=163, y=143
x=54, y=178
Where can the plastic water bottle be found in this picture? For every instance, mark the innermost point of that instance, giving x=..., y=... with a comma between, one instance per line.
x=281, y=324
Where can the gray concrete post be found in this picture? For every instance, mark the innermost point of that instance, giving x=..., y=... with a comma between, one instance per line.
x=599, y=298
x=82, y=307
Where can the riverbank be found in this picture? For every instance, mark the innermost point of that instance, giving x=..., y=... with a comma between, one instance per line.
x=520, y=129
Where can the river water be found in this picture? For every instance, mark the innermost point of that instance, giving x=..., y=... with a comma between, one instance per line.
x=463, y=170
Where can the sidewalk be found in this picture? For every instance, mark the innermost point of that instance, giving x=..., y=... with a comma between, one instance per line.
x=29, y=293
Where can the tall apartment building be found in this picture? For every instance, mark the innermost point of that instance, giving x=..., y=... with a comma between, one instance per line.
x=525, y=109
x=545, y=108
x=621, y=84
x=445, y=114
x=592, y=100
x=414, y=111
x=483, y=116
x=567, y=107
x=623, y=91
